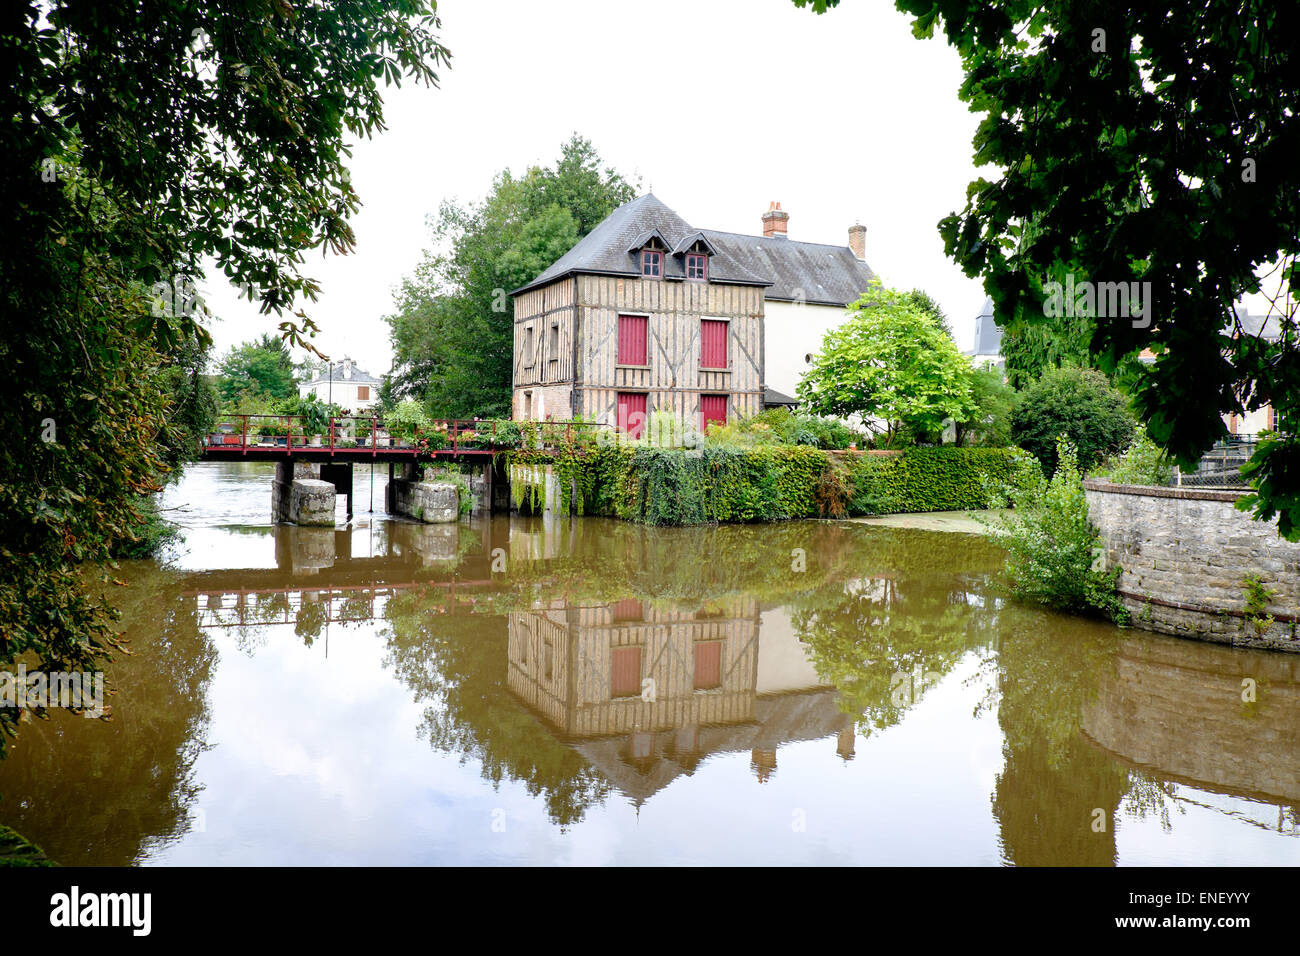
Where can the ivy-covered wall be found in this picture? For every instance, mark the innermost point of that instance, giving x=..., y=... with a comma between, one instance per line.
x=659, y=486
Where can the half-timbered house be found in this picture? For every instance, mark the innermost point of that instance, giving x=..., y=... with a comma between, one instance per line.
x=648, y=313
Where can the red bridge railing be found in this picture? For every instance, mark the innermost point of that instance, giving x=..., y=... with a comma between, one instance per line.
x=357, y=434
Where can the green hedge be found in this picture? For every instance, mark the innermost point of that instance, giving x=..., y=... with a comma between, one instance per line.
x=929, y=479
x=659, y=486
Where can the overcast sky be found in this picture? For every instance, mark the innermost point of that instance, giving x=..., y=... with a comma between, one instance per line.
x=718, y=107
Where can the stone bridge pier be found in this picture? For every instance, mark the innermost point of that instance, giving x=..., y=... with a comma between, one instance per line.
x=304, y=492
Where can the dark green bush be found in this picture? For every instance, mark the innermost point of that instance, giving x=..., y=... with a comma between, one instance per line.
x=929, y=479
x=1078, y=404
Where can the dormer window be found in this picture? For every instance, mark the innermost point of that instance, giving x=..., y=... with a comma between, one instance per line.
x=697, y=267
x=652, y=263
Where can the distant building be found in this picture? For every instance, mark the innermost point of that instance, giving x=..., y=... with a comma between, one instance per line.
x=988, y=339
x=648, y=313
x=344, y=384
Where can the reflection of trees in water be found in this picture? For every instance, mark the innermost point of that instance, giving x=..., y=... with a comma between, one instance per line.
x=92, y=792
x=1053, y=781
x=457, y=665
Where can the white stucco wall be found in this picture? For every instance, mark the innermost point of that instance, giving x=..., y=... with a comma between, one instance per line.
x=344, y=394
x=792, y=333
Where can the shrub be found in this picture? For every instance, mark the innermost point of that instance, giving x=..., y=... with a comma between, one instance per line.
x=1143, y=463
x=1052, y=548
x=931, y=479
x=1079, y=404
x=406, y=419
x=989, y=423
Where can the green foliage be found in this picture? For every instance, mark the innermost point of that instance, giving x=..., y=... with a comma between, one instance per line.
x=407, y=420
x=16, y=851
x=1052, y=547
x=1258, y=597
x=260, y=369
x=135, y=149
x=1079, y=404
x=1159, y=150
x=930, y=479
x=1143, y=463
x=149, y=535
x=989, y=421
x=1030, y=350
x=890, y=360
x=922, y=300
x=453, y=327
x=780, y=426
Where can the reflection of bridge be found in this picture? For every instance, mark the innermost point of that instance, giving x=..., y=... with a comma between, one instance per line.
x=250, y=607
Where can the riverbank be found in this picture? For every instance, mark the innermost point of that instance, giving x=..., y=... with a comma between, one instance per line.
x=959, y=522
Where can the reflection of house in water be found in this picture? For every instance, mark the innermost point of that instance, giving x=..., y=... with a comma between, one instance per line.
x=645, y=693
x=1176, y=710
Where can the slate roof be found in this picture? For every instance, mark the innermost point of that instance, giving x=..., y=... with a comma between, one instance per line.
x=359, y=376
x=1261, y=326
x=790, y=271
x=988, y=336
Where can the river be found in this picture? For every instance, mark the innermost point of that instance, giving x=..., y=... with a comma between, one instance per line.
x=585, y=691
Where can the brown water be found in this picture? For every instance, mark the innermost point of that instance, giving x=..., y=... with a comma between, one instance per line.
x=800, y=693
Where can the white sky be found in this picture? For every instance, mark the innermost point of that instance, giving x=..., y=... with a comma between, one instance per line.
x=719, y=107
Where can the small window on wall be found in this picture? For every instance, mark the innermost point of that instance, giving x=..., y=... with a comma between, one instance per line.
x=555, y=342
x=528, y=347
x=652, y=263
x=363, y=393
x=697, y=267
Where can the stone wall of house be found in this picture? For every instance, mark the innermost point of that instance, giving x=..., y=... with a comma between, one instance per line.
x=1185, y=555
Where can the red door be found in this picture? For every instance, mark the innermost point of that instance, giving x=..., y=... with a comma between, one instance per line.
x=631, y=413
x=713, y=408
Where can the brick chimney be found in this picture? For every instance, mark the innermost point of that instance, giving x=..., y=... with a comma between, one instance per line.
x=774, y=221
x=858, y=240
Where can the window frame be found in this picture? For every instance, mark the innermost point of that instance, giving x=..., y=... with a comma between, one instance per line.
x=655, y=256
x=703, y=258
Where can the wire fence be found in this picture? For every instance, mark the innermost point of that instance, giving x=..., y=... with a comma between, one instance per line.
x=1220, y=467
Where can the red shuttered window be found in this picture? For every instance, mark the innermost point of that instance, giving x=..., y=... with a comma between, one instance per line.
x=713, y=408
x=708, y=665
x=631, y=413
x=625, y=672
x=632, y=332
x=713, y=343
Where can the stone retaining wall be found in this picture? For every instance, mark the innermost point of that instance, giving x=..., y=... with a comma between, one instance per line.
x=1185, y=554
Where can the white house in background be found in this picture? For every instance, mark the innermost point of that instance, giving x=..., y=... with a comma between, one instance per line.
x=812, y=284
x=347, y=386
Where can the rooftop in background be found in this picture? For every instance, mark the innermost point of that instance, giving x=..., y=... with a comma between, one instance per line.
x=791, y=271
x=345, y=371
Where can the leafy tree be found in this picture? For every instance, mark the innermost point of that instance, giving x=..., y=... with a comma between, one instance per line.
x=889, y=361
x=453, y=328
x=1144, y=142
x=921, y=299
x=134, y=148
x=989, y=422
x=1076, y=403
x=258, y=369
x=1031, y=350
